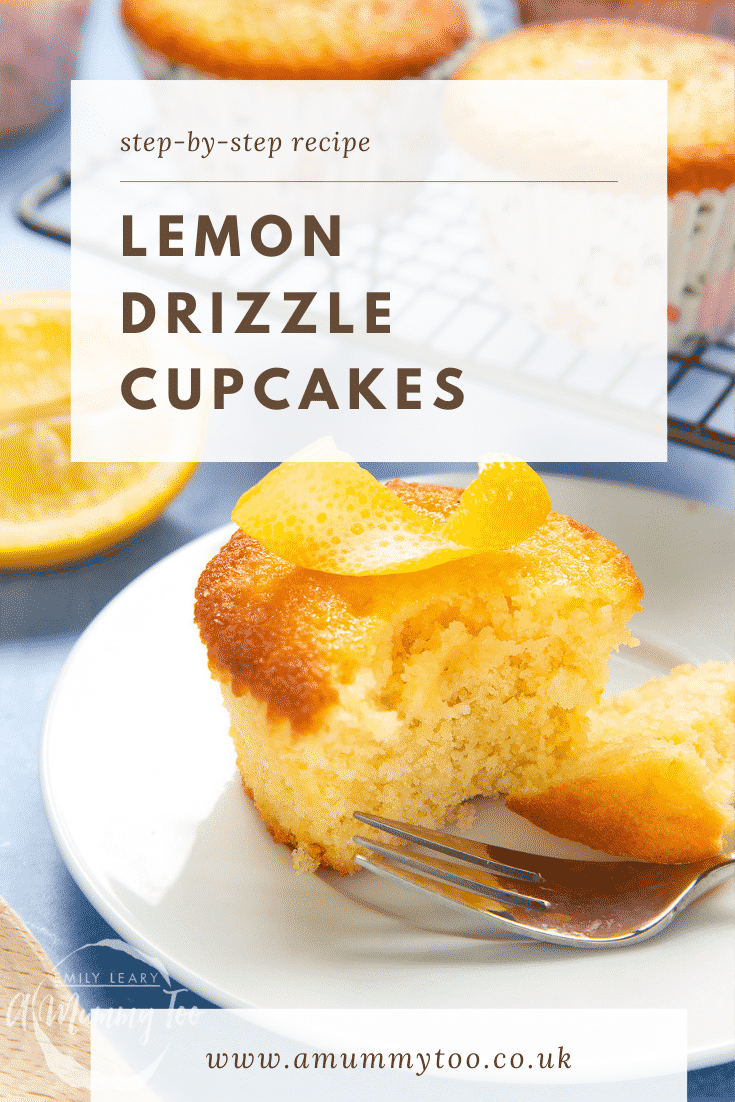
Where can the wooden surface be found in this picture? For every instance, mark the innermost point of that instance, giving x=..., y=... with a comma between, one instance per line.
x=44, y=1033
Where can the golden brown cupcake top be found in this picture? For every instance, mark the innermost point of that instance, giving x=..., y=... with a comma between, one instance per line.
x=301, y=39
x=288, y=635
x=700, y=72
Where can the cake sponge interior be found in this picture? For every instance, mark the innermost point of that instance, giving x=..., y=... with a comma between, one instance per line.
x=655, y=778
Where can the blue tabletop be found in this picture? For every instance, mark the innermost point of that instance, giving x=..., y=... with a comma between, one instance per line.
x=42, y=615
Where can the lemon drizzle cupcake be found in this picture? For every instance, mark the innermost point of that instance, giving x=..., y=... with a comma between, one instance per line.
x=701, y=142
x=296, y=39
x=404, y=693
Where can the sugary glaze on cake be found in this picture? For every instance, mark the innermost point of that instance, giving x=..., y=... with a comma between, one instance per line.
x=656, y=779
x=700, y=71
x=407, y=694
x=301, y=39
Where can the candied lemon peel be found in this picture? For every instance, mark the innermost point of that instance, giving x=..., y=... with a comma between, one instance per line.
x=322, y=511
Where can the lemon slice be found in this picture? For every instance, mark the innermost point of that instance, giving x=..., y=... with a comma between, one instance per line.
x=53, y=511
x=335, y=517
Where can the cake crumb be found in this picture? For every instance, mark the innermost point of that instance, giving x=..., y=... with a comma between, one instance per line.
x=463, y=816
x=306, y=858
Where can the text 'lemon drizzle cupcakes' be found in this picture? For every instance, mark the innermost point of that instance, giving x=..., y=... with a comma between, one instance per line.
x=295, y=39
x=700, y=71
x=406, y=693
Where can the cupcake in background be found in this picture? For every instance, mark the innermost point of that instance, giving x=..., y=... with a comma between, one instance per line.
x=296, y=39
x=697, y=16
x=700, y=71
x=39, y=42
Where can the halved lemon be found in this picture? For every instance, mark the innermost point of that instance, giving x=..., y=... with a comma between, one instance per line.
x=53, y=511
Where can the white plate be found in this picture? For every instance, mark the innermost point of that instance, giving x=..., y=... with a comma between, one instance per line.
x=141, y=791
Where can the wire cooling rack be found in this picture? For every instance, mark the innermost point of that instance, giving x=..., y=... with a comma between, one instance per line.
x=701, y=397
x=443, y=303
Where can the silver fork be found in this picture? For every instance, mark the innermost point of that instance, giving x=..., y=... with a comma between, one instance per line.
x=587, y=904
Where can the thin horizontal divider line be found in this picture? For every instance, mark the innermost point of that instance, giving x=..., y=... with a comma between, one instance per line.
x=369, y=181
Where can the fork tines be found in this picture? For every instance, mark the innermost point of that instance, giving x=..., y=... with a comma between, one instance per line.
x=479, y=880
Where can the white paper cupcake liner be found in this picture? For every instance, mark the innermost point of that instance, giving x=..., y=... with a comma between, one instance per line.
x=701, y=267
x=157, y=67
x=562, y=257
x=584, y=266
